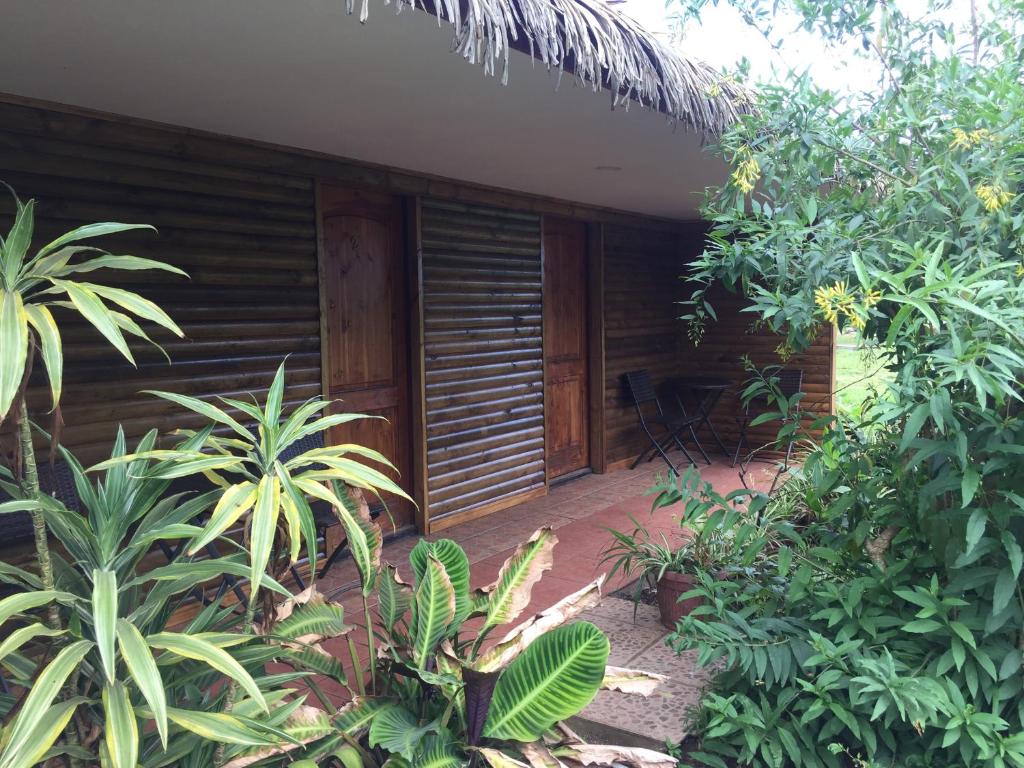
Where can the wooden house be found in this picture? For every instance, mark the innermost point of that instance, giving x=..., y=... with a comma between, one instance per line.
x=476, y=256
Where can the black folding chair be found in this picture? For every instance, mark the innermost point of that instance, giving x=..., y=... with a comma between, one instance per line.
x=789, y=381
x=644, y=397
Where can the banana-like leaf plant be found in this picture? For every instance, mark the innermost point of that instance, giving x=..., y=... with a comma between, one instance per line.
x=443, y=694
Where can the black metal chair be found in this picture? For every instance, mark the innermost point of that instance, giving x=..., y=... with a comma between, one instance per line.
x=646, y=399
x=789, y=382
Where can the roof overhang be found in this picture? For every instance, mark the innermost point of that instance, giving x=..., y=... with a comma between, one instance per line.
x=306, y=74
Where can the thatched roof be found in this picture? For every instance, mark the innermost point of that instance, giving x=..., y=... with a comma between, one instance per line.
x=597, y=45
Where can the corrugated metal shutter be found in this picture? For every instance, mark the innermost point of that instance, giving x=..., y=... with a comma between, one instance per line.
x=483, y=355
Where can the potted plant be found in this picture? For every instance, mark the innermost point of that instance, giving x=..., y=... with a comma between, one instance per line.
x=666, y=568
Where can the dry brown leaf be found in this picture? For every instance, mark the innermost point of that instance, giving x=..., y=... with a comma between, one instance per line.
x=607, y=754
x=631, y=680
x=519, y=638
x=305, y=717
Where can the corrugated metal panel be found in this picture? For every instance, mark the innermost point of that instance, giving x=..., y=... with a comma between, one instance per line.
x=246, y=237
x=483, y=355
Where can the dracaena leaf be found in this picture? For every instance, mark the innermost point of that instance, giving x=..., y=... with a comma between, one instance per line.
x=143, y=669
x=121, y=729
x=199, y=649
x=36, y=705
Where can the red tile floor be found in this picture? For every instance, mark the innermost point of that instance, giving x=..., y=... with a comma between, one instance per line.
x=580, y=511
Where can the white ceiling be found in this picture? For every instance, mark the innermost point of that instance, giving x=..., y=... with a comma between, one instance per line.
x=302, y=73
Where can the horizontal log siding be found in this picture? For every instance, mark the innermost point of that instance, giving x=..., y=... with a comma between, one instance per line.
x=247, y=238
x=721, y=352
x=641, y=326
x=642, y=289
x=483, y=355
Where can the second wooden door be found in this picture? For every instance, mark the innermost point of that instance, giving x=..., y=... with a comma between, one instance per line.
x=365, y=324
x=565, y=347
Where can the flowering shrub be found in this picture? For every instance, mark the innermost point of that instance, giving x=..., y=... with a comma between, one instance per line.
x=885, y=629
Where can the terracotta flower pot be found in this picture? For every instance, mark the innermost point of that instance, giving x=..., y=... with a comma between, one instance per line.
x=670, y=587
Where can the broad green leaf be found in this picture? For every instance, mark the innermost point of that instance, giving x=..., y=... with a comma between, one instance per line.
x=194, y=647
x=104, y=610
x=510, y=593
x=13, y=348
x=456, y=565
x=394, y=597
x=433, y=611
x=395, y=729
x=50, y=347
x=315, y=659
x=1006, y=587
x=143, y=670
x=437, y=750
x=319, y=619
x=37, y=704
x=358, y=713
x=121, y=730
x=553, y=679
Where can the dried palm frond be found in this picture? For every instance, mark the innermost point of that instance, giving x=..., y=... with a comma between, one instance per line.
x=598, y=46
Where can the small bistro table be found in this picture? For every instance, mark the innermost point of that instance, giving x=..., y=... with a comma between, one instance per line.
x=701, y=394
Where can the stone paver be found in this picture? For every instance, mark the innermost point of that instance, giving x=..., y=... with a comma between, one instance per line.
x=647, y=721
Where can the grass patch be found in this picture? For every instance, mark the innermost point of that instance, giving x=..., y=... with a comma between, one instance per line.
x=859, y=373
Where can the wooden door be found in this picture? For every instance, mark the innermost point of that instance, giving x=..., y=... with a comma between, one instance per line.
x=565, y=347
x=365, y=324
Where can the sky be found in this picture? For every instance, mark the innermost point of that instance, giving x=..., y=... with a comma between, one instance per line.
x=723, y=38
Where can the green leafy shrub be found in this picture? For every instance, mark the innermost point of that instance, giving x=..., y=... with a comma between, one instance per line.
x=884, y=626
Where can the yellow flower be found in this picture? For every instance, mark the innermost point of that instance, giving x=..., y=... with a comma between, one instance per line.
x=1020, y=270
x=835, y=300
x=992, y=196
x=747, y=172
x=965, y=140
x=871, y=298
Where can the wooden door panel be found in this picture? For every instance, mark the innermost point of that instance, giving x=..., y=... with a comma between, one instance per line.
x=360, y=301
x=365, y=325
x=565, y=347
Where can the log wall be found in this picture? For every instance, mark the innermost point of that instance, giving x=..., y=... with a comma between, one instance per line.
x=246, y=236
x=642, y=291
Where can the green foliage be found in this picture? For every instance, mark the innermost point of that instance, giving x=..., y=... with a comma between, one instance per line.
x=31, y=287
x=441, y=697
x=883, y=625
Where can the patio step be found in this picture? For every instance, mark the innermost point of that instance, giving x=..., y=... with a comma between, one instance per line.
x=629, y=719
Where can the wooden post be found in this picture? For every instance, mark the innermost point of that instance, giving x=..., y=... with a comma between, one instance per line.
x=595, y=340
x=414, y=255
